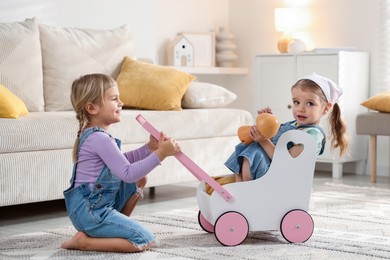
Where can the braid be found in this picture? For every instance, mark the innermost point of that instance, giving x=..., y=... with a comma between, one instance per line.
x=82, y=123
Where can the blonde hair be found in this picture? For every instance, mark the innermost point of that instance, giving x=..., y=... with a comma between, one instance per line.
x=87, y=89
x=338, y=126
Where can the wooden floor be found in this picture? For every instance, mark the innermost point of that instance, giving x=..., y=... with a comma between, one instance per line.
x=48, y=215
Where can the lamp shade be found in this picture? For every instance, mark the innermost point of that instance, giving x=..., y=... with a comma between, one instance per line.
x=289, y=19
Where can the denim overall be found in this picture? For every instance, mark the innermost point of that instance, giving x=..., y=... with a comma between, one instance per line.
x=258, y=159
x=97, y=212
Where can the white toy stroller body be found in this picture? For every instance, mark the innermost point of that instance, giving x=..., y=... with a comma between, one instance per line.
x=277, y=201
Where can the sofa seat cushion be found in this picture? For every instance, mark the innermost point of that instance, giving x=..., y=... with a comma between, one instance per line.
x=57, y=130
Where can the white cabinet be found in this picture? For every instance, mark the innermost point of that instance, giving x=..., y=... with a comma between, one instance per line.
x=275, y=74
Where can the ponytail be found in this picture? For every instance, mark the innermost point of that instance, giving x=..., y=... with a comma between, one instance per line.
x=338, y=129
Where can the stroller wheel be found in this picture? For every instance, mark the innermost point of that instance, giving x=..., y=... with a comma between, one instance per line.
x=297, y=226
x=204, y=224
x=231, y=228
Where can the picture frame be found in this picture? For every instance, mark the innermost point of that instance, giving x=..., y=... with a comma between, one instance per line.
x=204, y=48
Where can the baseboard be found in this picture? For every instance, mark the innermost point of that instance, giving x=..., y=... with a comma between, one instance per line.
x=381, y=169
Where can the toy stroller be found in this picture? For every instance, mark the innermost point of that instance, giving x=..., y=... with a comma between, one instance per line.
x=277, y=201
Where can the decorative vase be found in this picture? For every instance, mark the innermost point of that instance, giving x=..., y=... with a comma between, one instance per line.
x=225, y=55
x=296, y=46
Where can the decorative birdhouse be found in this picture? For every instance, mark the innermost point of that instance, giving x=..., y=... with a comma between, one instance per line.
x=180, y=52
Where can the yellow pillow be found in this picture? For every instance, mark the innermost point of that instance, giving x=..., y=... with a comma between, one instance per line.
x=10, y=105
x=380, y=102
x=150, y=86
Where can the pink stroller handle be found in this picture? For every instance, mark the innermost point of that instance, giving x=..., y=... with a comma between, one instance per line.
x=200, y=174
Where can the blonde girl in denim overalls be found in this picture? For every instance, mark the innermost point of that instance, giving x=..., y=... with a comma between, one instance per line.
x=99, y=202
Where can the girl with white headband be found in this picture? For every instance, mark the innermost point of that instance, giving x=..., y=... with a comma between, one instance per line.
x=313, y=97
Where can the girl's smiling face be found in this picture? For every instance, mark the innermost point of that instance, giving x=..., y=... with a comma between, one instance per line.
x=107, y=111
x=111, y=106
x=308, y=107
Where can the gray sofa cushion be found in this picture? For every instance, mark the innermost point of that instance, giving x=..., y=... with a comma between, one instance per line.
x=373, y=123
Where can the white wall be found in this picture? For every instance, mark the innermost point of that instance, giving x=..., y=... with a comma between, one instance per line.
x=97, y=14
x=153, y=22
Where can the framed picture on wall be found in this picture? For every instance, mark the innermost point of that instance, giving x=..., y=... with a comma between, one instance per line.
x=204, y=48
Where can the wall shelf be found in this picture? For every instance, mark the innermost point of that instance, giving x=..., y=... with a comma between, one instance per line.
x=215, y=70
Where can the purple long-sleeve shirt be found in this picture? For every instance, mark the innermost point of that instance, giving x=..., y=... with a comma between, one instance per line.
x=100, y=149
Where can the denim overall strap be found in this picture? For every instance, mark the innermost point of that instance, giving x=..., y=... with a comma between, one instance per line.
x=282, y=129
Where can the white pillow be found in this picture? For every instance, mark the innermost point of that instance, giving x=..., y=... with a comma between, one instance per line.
x=21, y=62
x=69, y=53
x=207, y=95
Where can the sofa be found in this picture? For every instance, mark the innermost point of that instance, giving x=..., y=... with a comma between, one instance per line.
x=38, y=127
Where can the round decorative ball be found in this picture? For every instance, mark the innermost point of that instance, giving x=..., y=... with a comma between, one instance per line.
x=268, y=124
x=296, y=46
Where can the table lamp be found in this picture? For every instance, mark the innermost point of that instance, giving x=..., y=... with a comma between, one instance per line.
x=287, y=20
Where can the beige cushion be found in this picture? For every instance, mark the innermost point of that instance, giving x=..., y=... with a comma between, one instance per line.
x=10, y=105
x=207, y=95
x=69, y=53
x=380, y=102
x=150, y=86
x=21, y=62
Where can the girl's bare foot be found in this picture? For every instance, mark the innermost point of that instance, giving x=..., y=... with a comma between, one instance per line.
x=76, y=242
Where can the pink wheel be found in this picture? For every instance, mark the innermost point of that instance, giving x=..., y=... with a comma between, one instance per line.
x=231, y=228
x=204, y=224
x=297, y=226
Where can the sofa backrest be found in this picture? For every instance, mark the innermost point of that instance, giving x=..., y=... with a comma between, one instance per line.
x=21, y=62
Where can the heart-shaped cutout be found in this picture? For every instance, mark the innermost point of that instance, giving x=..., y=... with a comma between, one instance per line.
x=295, y=149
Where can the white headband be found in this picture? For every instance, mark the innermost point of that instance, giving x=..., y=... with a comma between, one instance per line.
x=331, y=90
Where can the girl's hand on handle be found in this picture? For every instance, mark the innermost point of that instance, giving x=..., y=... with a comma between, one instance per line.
x=153, y=143
x=166, y=147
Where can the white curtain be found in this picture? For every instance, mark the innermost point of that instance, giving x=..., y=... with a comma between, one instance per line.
x=382, y=53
